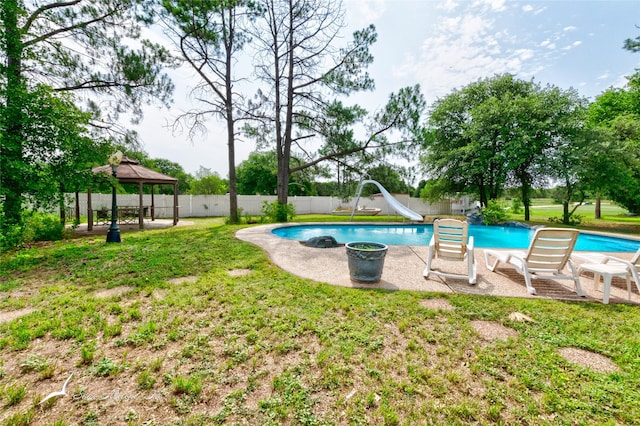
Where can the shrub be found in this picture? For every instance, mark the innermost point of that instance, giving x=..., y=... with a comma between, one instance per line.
x=516, y=205
x=277, y=212
x=574, y=220
x=11, y=236
x=35, y=226
x=494, y=213
x=43, y=227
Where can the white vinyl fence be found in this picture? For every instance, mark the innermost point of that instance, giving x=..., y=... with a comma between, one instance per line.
x=218, y=205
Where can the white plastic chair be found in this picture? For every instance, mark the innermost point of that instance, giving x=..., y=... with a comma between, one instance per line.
x=548, y=255
x=451, y=241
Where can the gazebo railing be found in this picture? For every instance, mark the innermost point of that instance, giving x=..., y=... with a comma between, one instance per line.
x=125, y=214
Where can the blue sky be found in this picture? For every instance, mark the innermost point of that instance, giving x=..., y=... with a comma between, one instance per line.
x=445, y=45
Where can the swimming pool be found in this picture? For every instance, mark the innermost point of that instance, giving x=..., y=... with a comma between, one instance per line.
x=420, y=234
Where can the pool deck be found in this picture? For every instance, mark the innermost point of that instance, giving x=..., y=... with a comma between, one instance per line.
x=404, y=266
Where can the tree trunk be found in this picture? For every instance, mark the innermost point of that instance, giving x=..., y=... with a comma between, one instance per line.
x=283, y=181
x=483, y=195
x=231, y=135
x=598, y=202
x=233, y=190
x=526, y=202
x=565, y=212
x=12, y=155
x=284, y=151
x=63, y=210
x=525, y=190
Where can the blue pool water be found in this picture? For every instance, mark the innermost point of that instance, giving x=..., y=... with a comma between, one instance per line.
x=419, y=235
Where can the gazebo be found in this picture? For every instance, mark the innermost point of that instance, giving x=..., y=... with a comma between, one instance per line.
x=130, y=171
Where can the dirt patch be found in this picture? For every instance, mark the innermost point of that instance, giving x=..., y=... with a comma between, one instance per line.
x=592, y=360
x=112, y=292
x=490, y=330
x=437, y=304
x=158, y=294
x=180, y=280
x=11, y=315
x=239, y=272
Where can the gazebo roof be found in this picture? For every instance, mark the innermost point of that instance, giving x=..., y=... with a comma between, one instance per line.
x=130, y=171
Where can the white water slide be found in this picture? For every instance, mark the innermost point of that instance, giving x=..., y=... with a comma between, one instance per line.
x=390, y=199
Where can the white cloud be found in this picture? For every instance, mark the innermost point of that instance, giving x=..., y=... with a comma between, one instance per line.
x=525, y=54
x=572, y=45
x=570, y=28
x=621, y=81
x=365, y=12
x=463, y=49
x=548, y=44
x=494, y=5
x=479, y=43
x=604, y=76
x=448, y=5
x=527, y=8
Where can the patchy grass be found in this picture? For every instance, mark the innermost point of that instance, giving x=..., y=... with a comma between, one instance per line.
x=264, y=347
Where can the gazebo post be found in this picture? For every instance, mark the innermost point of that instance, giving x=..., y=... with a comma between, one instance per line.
x=77, y=207
x=175, y=203
x=89, y=211
x=140, y=211
x=153, y=204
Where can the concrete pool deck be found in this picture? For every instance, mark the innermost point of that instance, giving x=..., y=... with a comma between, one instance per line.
x=404, y=266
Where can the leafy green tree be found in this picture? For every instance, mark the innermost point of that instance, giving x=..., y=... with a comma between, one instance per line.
x=550, y=126
x=624, y=180
x=390, y=177
x=613, y=167
x=632, y=44
x=326, y=189
x=602, y=166
x=497, y=130
x=468, y=135
x=92, y=47
x=61, y=153
x=565, y=162
x=61, y=147
x=418, y=189
x=209, y=35
x=435, y=189
x=173, y=169
x=258, y=174
x=207, y=182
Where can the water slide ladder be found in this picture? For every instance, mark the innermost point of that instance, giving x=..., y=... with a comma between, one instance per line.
x=390, y=199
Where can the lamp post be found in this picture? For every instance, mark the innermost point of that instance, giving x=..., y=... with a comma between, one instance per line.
x=113, y=235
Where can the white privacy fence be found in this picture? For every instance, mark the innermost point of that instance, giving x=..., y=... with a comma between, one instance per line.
x=218, y=205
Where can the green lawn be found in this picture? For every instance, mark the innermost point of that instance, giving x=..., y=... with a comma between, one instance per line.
x=208, y=331
x=545, y=207
x=613, y=217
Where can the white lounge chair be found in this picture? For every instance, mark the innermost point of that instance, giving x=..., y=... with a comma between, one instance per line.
x=548, y=255
x=608, y=267
x=451, y=241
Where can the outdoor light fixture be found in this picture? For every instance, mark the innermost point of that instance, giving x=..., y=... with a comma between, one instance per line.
x=113, y=235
